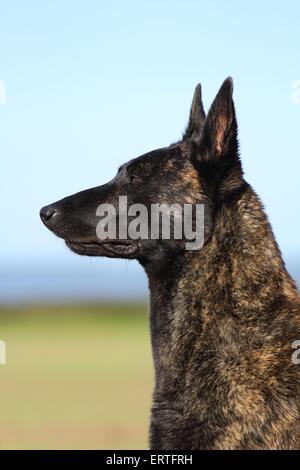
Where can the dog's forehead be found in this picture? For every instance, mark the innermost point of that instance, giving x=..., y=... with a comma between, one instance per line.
x=171, y=156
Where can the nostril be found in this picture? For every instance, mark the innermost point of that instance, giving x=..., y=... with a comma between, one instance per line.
x=47, y=212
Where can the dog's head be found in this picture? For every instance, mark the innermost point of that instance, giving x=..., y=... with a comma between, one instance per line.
x=202, y=168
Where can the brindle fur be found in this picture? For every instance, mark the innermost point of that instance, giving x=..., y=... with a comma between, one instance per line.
x=222, y=318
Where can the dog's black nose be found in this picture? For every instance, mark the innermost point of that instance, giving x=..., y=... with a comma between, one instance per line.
x=47, y=213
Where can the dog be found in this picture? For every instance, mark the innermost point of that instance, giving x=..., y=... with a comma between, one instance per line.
x=223, y=318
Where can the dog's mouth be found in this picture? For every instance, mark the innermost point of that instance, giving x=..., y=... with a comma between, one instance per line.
x=109, y=248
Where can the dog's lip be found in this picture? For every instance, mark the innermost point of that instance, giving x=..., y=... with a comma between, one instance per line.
x=101, y=242
x=110, y=245
x=121, y=247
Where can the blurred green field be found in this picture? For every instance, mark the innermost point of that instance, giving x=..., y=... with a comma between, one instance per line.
x=75, y=378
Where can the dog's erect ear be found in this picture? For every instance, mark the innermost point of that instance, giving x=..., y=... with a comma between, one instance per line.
x=219, y=135
x=197, y=117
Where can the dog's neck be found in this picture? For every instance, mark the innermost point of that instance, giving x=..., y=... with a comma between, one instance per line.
x=232, y=278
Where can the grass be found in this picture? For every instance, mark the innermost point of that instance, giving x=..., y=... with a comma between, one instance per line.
x=75, y=378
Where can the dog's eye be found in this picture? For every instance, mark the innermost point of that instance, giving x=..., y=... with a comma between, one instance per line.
x=135, y=179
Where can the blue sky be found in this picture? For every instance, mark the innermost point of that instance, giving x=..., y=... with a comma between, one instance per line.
x=92, y=84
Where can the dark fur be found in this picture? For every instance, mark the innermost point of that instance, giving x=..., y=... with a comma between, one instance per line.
x=223, y=318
